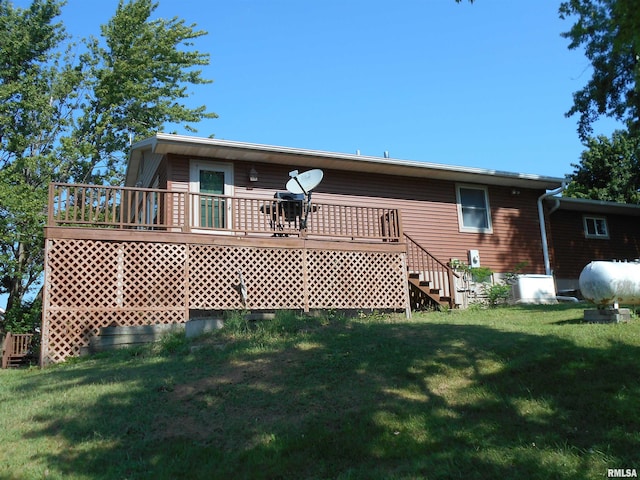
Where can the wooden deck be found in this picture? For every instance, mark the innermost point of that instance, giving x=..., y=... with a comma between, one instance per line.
x=170, y=211
x=117, y=256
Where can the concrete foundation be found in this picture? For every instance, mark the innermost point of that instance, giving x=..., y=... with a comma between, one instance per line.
x=200, y=326
x=122, y=337
x=607, y=315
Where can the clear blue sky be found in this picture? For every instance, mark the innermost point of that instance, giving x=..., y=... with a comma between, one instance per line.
x=483, y=85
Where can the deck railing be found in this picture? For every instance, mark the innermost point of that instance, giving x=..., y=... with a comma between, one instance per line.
x=15, y=347
x=101, y=206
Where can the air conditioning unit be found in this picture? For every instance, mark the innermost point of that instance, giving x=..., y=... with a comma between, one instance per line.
x=474, y=258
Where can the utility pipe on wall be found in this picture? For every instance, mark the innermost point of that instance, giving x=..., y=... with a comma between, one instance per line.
x=543, y=228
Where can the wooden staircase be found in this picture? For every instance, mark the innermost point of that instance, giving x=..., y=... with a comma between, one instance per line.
x=431, y=282
x=423, y=297
x=16, y=349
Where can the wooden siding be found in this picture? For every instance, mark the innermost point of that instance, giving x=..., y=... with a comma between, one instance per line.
x=572, y=251
x=177, y=180
x=428, y=207
x=163, y=174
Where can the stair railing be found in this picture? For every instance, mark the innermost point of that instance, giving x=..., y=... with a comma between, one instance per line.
x=15, y=346
x=439, y=275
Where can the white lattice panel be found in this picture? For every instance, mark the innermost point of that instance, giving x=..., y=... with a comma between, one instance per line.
x=83, y=273
x=92, y=284
x=352, y=279
x=66, y=332
x=272, y=277
x=154, y=275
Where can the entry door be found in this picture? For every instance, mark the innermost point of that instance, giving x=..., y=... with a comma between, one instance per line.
x=211, y=180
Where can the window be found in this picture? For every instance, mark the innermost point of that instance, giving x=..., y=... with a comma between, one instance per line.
x=595, y=227
x=474, y=213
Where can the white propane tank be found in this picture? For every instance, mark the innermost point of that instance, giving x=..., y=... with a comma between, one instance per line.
x=609, y=283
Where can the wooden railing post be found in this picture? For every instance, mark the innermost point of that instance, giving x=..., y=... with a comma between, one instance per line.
x=452, y=287
x=6, y=349
x=186, y=221
x=123, y=212
x=399, y=230
x=50, y=215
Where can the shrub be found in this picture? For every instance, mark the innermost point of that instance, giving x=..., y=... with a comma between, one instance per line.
x=497, y=293
x=25, y=318
x=236, y=322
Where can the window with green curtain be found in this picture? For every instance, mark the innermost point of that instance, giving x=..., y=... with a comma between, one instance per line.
x=212, y=209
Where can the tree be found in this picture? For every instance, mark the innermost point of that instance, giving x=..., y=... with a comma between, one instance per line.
x=37, y=96
x=609, y=170
x=65, y=118
x=609, y=31
x=134, y=82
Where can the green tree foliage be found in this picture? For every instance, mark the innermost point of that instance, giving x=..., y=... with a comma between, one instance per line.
x=134, y=80
x=609, y=32
x=608, y=170
x=69, y=118
x=36, y=93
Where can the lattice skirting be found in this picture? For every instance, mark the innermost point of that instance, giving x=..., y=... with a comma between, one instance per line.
x=91, y=284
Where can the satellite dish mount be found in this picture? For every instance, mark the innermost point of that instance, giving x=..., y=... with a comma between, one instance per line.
x=304, y=183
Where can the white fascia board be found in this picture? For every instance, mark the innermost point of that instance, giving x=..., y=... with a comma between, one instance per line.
x=234, y=150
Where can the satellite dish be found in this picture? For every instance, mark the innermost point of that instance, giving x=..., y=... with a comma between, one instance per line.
x=305, y=181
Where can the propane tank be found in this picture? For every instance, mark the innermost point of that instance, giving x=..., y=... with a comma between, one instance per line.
x=611, y=283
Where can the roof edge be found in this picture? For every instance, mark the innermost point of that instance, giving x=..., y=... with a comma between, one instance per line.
x=595, y=206
x=163, y=142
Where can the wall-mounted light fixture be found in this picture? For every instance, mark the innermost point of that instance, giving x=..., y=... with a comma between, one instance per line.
x=515, y=192
x=253, y=175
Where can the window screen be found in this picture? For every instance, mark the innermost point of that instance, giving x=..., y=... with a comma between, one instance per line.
x=596, y=227
x=473, y=207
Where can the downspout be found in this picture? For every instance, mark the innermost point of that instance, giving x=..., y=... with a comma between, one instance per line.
x=543, y=228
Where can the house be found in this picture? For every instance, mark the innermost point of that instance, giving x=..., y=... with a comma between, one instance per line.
x=583, y=231
x=204, y=225
x=449, y=210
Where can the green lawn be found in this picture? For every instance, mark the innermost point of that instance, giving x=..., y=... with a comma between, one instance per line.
x=507, y=393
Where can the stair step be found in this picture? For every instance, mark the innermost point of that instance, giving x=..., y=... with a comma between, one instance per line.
x=433, y=293
x=415, y=279
x=424, y=285
x=15, y=362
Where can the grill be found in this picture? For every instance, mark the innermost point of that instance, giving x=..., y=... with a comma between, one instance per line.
x=288, y=205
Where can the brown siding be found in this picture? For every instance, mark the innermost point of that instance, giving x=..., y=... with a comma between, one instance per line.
x=572, y=251
x=178, y=180
x=162, y=174
x=178, y=172
x=429, y=210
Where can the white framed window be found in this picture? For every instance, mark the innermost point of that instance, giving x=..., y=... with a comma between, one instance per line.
x=595, y=227
x=474, y=212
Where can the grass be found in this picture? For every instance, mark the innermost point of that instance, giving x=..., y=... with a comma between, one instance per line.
x=518, y=392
